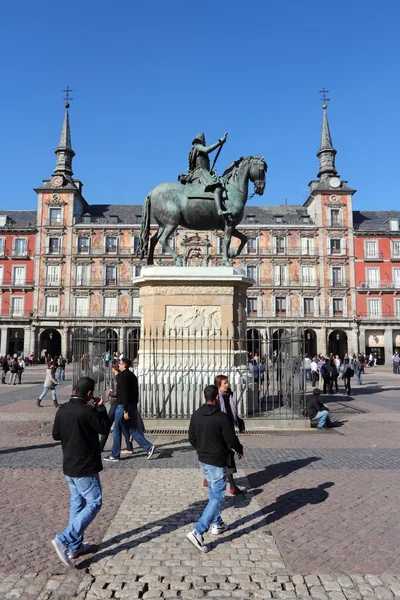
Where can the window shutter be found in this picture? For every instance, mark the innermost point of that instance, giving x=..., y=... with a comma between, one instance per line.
x=316, y=306
x=273, y=306
x=330, y=306
x=288, y=306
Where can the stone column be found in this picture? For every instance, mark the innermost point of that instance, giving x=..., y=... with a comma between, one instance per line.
x=121, y=339
x=27, y=341
x=64, y=340
x=321, y=340
x=388, y=345
x=3, y=341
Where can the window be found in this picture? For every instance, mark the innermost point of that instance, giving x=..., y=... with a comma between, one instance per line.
x=373, y=278
x=374, y=307
x=251, y=218
x=305, y=219
x=335, y=246
x=394, y=224
x=252, y=306
x=371, y=249
x=396, y=249
x=113, y=219
x=337, y=306
x=86, y=219
x=83, y=275
x=336, y=276
x=139, y=219
x=307, y=246
x=308, y=305
x=53, y=275
x=278, y=219
x=20, y=247
x=135, y=307
x=18, y=278
x=111, y=245
x=83, y=245
x=251, y=271
x=135, y=243
x=308, y=275
x=1, y=274
x=82, y=306
x=54, y=245
x=396, y=278
x=251, y=245
x=397, y=307
x=17, y=306
x=52, y=306
x=280, y=305
x=280, y=245
x=2, y=246
x=281, y=275
x=335, y=217
x=220, y=244
x=111, y=275
x=55, y=216
x=136, y=270
x=110, y=306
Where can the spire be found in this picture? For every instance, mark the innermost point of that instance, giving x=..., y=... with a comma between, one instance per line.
x=64, y=152
x=326, y=153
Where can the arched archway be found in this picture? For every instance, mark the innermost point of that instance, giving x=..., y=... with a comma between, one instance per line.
x=106, y=340
x=253, y=342
x=50, y=343
x=310, y=342
x=277, y=339
x=131, y=349
x=337, y=343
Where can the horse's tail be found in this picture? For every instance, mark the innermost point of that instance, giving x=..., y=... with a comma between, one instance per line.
x=145, y=228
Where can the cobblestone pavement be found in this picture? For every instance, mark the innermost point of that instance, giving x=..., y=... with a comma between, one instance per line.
x=319, y=520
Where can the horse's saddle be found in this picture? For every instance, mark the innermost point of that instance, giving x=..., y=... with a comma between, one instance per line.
x=194, y=190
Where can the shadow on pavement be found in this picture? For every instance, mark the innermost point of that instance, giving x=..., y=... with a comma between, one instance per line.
x=23, y=448
x=280, y=470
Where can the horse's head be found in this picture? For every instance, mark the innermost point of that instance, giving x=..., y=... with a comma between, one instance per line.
x=258, y=170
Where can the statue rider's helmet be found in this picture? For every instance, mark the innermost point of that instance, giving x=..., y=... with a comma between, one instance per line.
x=200, y=139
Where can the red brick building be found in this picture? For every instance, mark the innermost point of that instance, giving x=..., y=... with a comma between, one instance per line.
x=377, y=273
x=17, y=248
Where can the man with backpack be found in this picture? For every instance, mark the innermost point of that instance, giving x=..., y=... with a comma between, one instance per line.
x=61, y=362
x=348, y=373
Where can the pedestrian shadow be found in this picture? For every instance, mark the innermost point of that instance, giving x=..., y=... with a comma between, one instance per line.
x=279, y=470
x=23, y=448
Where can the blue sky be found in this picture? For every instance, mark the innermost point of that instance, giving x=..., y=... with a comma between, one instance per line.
x=148, y=76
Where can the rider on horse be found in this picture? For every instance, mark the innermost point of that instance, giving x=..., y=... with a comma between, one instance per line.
x=200, y=171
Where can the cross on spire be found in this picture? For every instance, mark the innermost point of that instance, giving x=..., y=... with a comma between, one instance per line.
x=67, y=98
x=324, y=98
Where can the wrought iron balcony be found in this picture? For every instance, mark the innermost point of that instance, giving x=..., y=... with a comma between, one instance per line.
x=373, y=256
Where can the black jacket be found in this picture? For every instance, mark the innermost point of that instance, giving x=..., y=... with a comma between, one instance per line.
x=77, y=425
x=128, y=391
x=4, y=365
x=211, y=434
x=314, y=405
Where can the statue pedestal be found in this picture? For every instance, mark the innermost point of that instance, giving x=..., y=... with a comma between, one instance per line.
x=193, y=328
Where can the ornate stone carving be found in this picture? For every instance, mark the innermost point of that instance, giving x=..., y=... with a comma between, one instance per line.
x=194, y=258
x=192, y=318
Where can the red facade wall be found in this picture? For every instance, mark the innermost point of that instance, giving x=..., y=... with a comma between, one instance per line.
x=8, y=261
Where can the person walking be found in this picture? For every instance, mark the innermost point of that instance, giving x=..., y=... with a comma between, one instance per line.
x=348, y=373
x=314, y=371
x=112, y=394
x=14, y=368
x=61, y=362
x=21, y=368
x=358, y=370
x=4, y=369
x=127, y=402
x=77, y=426
x=212, y=436
x=50, y=384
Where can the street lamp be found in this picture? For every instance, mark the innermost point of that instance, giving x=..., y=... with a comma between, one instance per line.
x=51, y=335
x=338, y=336
x=309, y=336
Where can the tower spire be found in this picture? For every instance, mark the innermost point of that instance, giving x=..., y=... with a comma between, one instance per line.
x=64, y=152
x=326, y=153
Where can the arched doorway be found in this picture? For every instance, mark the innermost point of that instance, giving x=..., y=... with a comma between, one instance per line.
x=337, y=343
x=50, y=343
x=277, y=339
x=15, y=343
x=105, y=340
x=310, y=342
x=253, y=343
x=131, y=349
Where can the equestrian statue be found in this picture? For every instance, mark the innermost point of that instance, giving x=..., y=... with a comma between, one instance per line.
x=202, y=200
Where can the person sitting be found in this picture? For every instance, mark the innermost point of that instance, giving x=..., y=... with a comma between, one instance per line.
x=316, y=411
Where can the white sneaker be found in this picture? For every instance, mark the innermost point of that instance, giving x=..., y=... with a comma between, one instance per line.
x=197, y=540
x=217, y=529
x=62, y=553
x=150, y=452
x=84, y=547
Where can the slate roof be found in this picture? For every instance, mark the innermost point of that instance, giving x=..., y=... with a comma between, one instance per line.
x=374, y=220
x=23, y=218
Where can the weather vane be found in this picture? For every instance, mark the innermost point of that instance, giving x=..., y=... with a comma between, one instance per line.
x=67, y=98
x=324, y=98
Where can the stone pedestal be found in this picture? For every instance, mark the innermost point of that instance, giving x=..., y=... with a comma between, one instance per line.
x=193, y=327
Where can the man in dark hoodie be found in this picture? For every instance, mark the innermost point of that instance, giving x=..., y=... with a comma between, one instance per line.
x=212, y=436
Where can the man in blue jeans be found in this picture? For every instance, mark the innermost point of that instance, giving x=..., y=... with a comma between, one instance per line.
x=127, y=403
x=212, y=436
x=316, y=411
x=78, y=425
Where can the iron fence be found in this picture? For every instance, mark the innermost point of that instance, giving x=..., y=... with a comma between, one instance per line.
x=174, y=367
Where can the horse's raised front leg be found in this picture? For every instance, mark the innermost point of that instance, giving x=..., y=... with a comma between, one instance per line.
x=227, y=242
x=166, y=234
x=243, y=241
x=153, y=244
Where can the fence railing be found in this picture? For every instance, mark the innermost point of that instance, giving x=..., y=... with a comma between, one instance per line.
x=173, y=368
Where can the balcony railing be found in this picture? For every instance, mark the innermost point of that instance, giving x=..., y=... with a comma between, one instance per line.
x=54, y=222
x=19, y=253
x=373, y=256
x=18, y=283
x=337, y=283
x=395, y=255
x=98, y=251
x=379, y=285
x=53, y=282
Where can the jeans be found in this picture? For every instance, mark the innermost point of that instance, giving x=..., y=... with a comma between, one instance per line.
x=314, y=378
x=13, y=378
x=85, y=503
x=125, y=430
x=53, y=394
x=358, y=375
x=346, y=381
x=133, y=434
x=216, y=479
x=321, y=417
x=60, y=374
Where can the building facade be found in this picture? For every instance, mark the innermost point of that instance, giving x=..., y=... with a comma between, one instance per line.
x=308, y=263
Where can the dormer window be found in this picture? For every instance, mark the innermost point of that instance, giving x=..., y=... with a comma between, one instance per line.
x=251, y=218
x=86, y=219
x=139, y=219
x=305, y=219
x=394, y=224
x=113, y=219
x=278, y=219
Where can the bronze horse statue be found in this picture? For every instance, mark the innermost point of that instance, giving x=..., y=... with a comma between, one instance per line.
x=188, y=206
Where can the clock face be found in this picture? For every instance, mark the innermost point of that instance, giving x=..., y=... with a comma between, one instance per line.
x=334, y=182
x=57, y=181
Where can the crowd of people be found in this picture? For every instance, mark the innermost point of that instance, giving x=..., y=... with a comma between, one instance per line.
x=13, y=367
x=326, y=371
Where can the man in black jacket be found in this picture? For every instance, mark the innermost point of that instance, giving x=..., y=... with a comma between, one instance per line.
x=127, y=402
x=77, y=425
x=213, y=437
x=316, y=411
